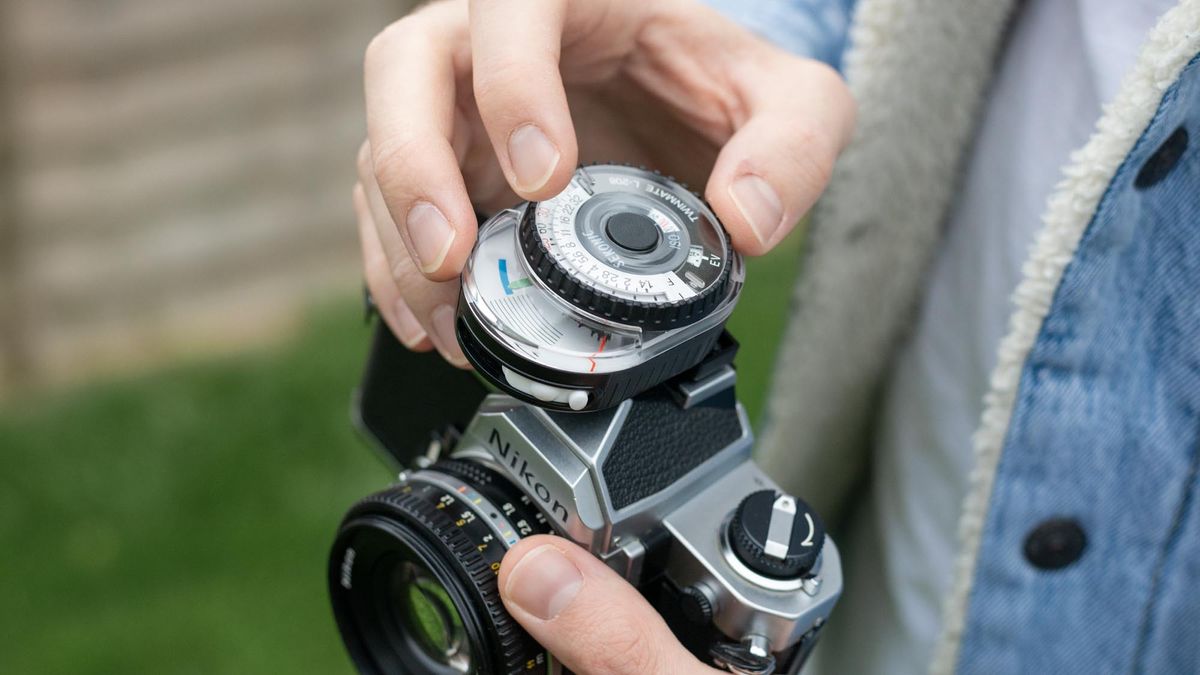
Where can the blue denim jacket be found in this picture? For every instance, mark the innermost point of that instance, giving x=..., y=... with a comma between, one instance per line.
x=1105, y=433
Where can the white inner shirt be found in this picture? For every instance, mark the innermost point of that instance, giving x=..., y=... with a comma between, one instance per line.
x=1063, y=59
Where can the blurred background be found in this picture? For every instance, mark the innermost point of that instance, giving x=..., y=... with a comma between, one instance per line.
x=180, y=329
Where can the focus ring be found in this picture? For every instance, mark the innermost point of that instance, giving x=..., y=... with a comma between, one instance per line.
x=582, y=294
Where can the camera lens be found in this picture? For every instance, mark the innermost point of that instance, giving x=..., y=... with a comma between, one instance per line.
x=426, y=611
x=415, y=604
x=412, y=575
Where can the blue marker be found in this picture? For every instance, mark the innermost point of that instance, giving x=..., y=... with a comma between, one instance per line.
x=509, y=287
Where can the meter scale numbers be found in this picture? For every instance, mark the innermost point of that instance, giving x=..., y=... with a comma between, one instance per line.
x=522, y=315
x=662, y=286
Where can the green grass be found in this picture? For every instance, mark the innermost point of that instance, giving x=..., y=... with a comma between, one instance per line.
x=179, y=522
x=760, y=317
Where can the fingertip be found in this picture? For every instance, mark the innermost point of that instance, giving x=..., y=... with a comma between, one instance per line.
x=514, y=577
x=519, y=551
x=527, y=544
x=444, y=335
x=437, y=241
x=407, y=328
x=418, y=342
x=452, y=355
x=543, y=581
x=540, y=164
x=423, y=346
x=588, y=564
x=552, y=187
x=744, y=238
x=448, y=264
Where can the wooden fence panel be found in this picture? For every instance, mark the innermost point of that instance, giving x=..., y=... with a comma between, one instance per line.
x=174, y=176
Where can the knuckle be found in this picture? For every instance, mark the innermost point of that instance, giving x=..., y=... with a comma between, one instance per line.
x=405, y=276
x=379, y=46
x=834, y=90
x=812, y=165
x=412, y=33
x=399, y=34
x=402, y=273
x=816, y=167
x=493, y=79
x=824, y=75
x=507, y=78
x=392, y=157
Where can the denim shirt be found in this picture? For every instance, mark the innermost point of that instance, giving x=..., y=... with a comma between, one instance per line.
x=813, y=28
x=1090, y=557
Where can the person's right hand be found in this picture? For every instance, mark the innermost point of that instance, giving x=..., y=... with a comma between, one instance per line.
x=467, y=104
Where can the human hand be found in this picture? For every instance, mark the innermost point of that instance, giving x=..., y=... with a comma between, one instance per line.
x=587, y=616
x=490, y=102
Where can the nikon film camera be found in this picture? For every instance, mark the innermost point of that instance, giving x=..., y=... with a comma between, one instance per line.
x=599, y=317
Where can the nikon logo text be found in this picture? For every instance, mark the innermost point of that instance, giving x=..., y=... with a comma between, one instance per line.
x=520, y=469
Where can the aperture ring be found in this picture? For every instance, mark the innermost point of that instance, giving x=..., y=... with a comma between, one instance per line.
x=488, y=513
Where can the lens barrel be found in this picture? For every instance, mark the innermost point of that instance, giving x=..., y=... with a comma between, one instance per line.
x=412, y=575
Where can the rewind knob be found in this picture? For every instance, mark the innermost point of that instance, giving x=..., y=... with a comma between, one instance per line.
x=777, y=535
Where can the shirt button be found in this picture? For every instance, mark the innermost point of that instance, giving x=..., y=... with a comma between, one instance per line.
x=1055, y=543
x=1163, y=160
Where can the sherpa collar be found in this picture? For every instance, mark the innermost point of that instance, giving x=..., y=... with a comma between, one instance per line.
x=918, y=70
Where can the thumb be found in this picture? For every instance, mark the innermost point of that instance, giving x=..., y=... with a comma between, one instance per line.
x=586, y=615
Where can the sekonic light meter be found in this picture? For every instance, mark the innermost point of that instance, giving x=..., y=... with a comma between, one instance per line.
x=618, y=283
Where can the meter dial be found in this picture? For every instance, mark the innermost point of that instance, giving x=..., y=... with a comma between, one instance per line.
x=630, y=246
x=619, y=283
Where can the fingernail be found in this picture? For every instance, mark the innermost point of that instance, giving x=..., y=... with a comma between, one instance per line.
x=442, y=321
x=430, y=235
x=544, y=582
x=410, y=329
x=759, y=204
x=532, y=156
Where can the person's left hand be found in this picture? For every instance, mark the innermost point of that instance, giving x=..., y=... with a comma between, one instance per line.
x=586, y=615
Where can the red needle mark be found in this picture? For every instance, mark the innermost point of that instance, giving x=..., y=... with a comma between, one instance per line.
x=603, y=341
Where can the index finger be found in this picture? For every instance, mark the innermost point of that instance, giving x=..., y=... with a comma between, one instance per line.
x=410, y=79
x=515, y=48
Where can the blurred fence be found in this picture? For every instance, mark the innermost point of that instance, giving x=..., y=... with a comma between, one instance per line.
x=174, y=175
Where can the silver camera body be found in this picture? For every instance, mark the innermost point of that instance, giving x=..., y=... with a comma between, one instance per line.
x=563, y=463
x=598, y=314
